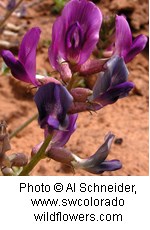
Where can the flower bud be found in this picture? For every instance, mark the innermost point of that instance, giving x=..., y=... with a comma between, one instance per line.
x=65, y=71
x=18, y=159
x=4, y=138
x=91, y=66
x=7, y=171
x=80, y=94
x=61, y=155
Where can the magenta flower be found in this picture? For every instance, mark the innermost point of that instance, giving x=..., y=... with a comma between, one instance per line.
x=53, y=101
x=75, y=33
x=24, y=69
x=124, y=46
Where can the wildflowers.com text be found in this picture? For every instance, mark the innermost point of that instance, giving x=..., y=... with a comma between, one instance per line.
x=59, y=216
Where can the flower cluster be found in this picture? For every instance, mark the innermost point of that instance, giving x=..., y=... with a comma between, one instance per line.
x=75, y=35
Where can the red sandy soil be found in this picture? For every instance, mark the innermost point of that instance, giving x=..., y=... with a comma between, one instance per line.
x=127, y=118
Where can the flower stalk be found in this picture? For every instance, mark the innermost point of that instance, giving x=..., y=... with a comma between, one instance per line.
x=21, y=127
x=9, y=13
x=37, y=157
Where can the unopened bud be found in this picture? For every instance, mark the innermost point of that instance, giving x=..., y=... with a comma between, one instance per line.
x=18, y=159
x=4, y=144
x=61, y=155
x=65, y=71
x=91, y=66
x=4, y=138
x=7, y=171
x=80, y=94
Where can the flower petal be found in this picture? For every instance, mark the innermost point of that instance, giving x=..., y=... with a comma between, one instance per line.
x=55, y=51
x=90, y=19
x=96, y=163
x=123, y=36
x=52, y=122
x=61, y=137
x=138, y=45
x=100, y=155
x=17, y=69
x=124, y=46
x=53, y=101
x=24, y=68
x=106, y=166
x=27, y=51
x=113, y=94
x=81, y=21
x=116, y=72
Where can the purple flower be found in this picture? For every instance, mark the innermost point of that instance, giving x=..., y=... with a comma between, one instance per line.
x=95, y=164
x=59, y=139
x=75, y=33
x=124, y=46
x=111, y=84
x=53, y=101
x=24, y=69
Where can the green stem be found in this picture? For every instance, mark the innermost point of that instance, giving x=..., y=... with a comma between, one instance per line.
x=36, y=158
x=72, y=81
x=9, y=13
x=20, y=128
